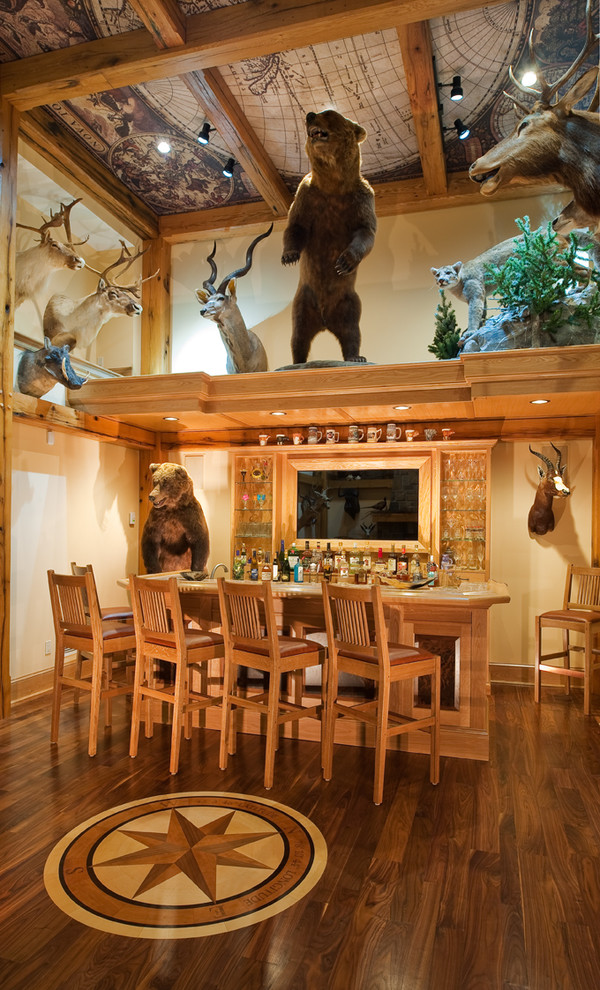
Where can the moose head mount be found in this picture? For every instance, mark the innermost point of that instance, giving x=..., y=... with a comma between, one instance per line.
x=551, y=485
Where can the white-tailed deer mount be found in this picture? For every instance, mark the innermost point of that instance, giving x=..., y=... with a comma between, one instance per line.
x=35, y=265
x=78, y=322
x=245, y=351
x=551, y=485
x=552, y=143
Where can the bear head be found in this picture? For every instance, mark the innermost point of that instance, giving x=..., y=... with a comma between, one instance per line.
x=333, y=140
x=171, y=486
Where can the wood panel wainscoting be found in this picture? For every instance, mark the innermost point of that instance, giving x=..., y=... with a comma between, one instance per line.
x=453, y=623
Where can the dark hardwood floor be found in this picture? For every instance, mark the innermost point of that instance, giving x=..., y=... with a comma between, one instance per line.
x=490, y=880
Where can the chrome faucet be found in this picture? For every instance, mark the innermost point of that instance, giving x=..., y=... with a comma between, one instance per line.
x=216, y=567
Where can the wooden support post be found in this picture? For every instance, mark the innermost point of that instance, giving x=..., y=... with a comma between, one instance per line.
x=9, y=125
x=595, y=556
x=156, y=302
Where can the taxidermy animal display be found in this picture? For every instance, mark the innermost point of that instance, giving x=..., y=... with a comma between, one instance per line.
x=574, y=218
x=468, y=281
x=35, y=265
x=77, y=322
x=311, y=507
x=552, y=142
x=39, y=371
x=551, y=485
x=175, y=535
x=245, y=351
x=330, y=229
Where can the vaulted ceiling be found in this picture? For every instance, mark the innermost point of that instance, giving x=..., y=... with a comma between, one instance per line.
x=98, y=82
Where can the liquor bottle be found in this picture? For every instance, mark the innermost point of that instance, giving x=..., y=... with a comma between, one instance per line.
x=284, y=566
x=379, y=565
x=238, y=567
x=318, y=559
x=299, y=571
x=392, y=562
x=342, y=565
x=415, y=567
x=432, y=571
x=254, y=567
x=403, y=565
x=266, y=573
x=275, y=568
x=293, y=556
x=244, y=557
x=328, y=564
x=353, y=562
x=360, y=574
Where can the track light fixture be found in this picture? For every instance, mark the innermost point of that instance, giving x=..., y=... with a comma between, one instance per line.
x=228, y=168
x=456, y=90
x=461, y=129
x=203, y=137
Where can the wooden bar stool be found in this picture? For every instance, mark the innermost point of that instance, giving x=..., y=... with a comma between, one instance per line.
x=580, y=613
x=162, y=636
x=357, y=641
x=79, y=625
x=252, y=641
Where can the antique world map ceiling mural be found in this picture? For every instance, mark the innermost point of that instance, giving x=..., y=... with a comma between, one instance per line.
x=361, y=76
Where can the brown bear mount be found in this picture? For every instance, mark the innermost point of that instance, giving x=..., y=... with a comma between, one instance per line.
x=175, y=535
x=330, y=229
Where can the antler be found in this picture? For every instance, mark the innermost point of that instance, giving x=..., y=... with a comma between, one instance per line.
x=127, y=259
x=243, y=271
x=559, y=457
x=209, y=283
x=547, y=91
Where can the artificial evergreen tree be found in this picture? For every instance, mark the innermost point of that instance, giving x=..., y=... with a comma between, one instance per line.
x=539, y=277
x=447, y=334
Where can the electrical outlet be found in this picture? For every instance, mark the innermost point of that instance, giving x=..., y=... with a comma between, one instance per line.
x=48, y=647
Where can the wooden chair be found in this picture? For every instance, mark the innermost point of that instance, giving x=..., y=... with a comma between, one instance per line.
x=121, y=612
x=580, y=613
x=357, y=641
x=162, y=636
x=252, y=641
x=79, y=625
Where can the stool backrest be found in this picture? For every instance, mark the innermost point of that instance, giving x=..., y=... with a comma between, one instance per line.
x=355, y=622
x=157, y=614
x=74, y=603
x=248, y=615
x=582, y=589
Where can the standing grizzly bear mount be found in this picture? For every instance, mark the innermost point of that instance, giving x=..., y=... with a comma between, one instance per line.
x=330, y=229
x=175, y=536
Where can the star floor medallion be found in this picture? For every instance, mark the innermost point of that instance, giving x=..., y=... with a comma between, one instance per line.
x=185, y=865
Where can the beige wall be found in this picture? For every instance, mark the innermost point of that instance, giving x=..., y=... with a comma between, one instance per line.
x=398, y=293
x=70, y=501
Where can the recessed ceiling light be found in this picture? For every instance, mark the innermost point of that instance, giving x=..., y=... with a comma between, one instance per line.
x=164, y=147
x=539, y=402
x=401, y=407
x=529, y=78
x=171, y=419
x=278, y=414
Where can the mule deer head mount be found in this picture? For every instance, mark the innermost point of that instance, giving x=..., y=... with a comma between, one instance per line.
x=551, y=485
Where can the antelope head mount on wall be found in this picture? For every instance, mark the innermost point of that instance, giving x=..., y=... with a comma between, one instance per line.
x=551, y=485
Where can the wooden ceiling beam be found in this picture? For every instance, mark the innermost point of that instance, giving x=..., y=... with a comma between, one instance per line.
x=214, y=38
x=163, y=19
x=421, y=85
x=224, y=113
x=391, y=199
x=57, y=145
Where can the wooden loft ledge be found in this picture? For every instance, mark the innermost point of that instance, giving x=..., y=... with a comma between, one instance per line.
x=484, y=394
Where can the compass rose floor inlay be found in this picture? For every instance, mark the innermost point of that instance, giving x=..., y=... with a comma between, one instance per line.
x=185, y=865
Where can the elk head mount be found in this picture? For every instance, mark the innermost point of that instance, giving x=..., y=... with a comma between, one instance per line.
x=35, y=265
x=245, y=351
x=78, y=322
x=551, y=485
x=552, y=142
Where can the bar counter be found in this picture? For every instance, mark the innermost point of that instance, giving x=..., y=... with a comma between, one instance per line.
x=451, y=622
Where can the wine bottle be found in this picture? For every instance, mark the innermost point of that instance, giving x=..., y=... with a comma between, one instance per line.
x=392, y=562
x=328, y=564
x=254, y=567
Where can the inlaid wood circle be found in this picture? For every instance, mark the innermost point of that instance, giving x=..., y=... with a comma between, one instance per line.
x=185, y=865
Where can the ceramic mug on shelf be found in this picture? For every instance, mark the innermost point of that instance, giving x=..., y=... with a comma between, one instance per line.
x=392, y=432
x=264, y=438
x=411, y=434
x=355, y=434
x=314, y=434
x=297, y=437
x=331, y=436
x=447, y=433
x=373, y=434
x=281, y=439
